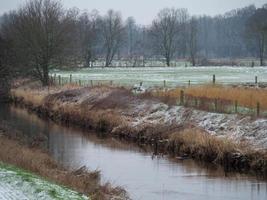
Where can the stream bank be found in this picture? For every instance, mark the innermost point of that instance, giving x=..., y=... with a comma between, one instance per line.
x=28, y=153
x=236, y=142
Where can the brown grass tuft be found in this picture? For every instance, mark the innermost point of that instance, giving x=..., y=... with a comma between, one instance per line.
x=203, y=146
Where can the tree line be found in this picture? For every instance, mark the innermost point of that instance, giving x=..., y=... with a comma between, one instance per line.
x=42, y=34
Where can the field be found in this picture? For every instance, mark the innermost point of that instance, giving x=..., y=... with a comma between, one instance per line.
x=155, y=76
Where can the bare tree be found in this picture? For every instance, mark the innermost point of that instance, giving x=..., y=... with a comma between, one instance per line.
x=112, y=32
x=193, y=40
x=5, y=68
x=183, y=36
x=165, y=31
x=88, y=28
x=257, y=30
x=41, y=31
x=130, y=27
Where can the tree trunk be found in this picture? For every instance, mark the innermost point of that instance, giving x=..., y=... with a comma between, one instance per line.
x=88, y=58
x=193, y=61
x=4, y=89
x=262, y=47
x=45, y=79
x=4, y=86
x=168, y=61
x=261, y=61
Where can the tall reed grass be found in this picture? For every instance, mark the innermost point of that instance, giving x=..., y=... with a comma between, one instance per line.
x=246, y=97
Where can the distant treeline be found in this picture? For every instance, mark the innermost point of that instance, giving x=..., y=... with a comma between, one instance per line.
x=42, y=34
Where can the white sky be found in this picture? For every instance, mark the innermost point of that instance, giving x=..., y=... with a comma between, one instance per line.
x=145, y=10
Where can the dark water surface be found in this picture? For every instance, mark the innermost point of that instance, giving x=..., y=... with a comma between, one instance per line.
x=126, y=165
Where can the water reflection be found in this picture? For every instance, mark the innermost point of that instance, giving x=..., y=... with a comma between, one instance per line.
x=128, y=166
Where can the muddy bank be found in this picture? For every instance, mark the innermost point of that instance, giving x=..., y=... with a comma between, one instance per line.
x=237, y=142
x=18, y=151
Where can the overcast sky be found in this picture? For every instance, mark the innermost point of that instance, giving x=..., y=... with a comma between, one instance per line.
x=145, y=10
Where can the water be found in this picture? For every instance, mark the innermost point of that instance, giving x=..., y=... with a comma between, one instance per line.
x=126, y=165
x=154, y=76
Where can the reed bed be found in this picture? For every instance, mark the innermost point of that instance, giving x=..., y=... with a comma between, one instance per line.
x=246, y=97
x=231, y=154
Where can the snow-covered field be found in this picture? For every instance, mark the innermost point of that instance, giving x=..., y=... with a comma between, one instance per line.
x=16, y=184
x=155, y=76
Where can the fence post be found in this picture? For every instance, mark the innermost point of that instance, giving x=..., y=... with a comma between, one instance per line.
x=80, y=83
x=70, y=78
x=196, y=102
x=141, y=83
x=164, y=83
x=216, y=105
x=258, y=109
x=256, y=79
x=213, y=79
x=156, y=144
x=189, y=83
x=91, y=82
x=236, y=106
x=59, y=80
x=55, y=78
x=181, y=97
x=111, y=83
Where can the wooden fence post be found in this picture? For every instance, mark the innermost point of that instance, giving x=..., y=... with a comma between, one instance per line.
x=181, y=97
x=55, y=78
x=213, y=79
x=156, y=145
x=80, y=83
x=59, y=80
x=111, y=83
x=256, y=79
x=216, y=105
x=164, y=83
x=91, y=82
x=196, y=102
x=70, y=78
x=189, y=83
x=236, y=106
x=258, y=109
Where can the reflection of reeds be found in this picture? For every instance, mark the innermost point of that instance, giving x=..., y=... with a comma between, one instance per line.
x=42, y=164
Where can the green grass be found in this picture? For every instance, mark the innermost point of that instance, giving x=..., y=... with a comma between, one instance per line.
x=34, y=186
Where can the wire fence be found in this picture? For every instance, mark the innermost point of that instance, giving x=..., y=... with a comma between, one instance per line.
x=217, y=105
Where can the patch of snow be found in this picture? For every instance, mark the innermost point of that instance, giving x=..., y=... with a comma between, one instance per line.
x=19, y=185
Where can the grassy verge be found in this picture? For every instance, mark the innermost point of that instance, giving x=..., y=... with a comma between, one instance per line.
x=19, y=182
x=40, y=163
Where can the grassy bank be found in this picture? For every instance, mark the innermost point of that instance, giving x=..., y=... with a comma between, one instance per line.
x=142, y=119
x=232, y=155
x=19, y=184
x=40, y=163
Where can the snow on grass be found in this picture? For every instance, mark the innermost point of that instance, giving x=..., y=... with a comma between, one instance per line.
x=151, y=76
x=17, y=184
x=237, y=127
